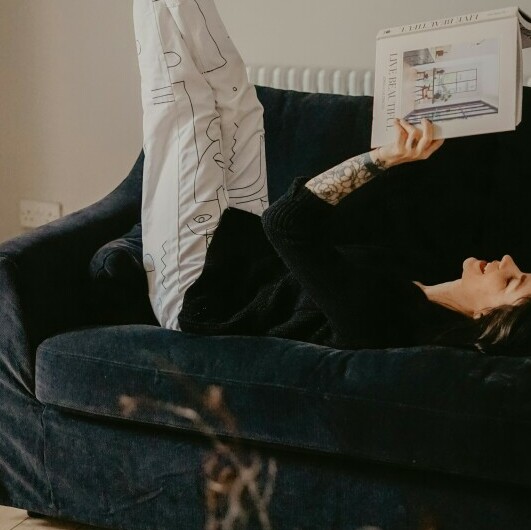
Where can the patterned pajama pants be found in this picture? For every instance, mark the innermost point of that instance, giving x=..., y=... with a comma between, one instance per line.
x=203, y=142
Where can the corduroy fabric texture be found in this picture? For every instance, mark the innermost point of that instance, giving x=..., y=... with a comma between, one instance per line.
x=135, y=474
x=429, y=408
x=140, y=477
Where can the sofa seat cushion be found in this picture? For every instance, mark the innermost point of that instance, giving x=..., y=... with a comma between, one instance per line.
x=430, y=408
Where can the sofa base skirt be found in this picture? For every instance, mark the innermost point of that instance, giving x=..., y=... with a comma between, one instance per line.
x=120, y=474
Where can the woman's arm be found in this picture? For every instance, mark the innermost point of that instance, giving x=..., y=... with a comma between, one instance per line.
x=359, y=303
x=410, y=144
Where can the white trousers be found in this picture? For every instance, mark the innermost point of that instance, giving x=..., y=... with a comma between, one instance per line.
x=203, y=142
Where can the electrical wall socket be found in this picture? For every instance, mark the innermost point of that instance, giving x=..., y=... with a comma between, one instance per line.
x=36, y=213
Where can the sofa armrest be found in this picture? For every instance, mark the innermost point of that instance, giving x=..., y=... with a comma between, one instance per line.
x=44, y=274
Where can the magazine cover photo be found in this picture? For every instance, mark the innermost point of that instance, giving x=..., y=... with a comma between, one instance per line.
x=451, y=81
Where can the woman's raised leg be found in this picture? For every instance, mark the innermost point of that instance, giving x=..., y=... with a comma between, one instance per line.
x=184, y=191
x=242, y=124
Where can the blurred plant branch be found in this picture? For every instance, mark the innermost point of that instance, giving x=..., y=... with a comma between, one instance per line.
x=230, y=483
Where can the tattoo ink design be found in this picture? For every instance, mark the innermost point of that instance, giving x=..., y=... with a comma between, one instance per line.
x=376, y=167
x=338, y=182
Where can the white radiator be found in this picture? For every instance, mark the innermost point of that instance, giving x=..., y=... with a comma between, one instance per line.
x=327, y=81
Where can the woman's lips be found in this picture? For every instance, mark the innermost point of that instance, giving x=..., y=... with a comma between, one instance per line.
x=482, y=265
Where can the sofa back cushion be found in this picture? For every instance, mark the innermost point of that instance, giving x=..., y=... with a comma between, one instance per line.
x=469, y=199
x=307, y=134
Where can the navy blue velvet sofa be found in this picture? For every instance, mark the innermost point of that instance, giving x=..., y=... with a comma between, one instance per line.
x=398, y=439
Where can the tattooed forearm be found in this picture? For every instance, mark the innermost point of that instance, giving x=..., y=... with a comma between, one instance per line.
x=336, y=183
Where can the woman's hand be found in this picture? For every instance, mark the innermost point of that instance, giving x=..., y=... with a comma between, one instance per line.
x=411, y=144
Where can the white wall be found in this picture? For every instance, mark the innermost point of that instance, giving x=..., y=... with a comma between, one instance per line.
x=70, y=108
x=333, y=32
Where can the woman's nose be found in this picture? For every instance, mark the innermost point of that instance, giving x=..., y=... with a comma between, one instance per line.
x=507, y=262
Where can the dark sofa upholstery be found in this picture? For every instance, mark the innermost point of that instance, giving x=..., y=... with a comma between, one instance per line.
x=395, y=439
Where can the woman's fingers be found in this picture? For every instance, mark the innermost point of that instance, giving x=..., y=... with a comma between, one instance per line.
x=401, y=134
x=413, y=134
x=427, y=135
x=419, y=143
x=428, y=145
x=411, y=143
x=433, y=147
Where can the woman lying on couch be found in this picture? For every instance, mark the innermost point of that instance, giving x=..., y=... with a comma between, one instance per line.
x=220, y=261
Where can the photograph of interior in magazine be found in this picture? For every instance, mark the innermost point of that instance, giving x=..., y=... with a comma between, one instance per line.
x=466, y=79
x=451, y=81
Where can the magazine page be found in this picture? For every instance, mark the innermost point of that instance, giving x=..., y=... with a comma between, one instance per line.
x=459, y=20
x=462, y=78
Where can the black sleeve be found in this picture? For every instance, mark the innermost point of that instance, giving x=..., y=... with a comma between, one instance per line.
x=364, y=308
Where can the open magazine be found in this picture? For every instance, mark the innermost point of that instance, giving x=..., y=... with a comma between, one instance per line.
x=464, y=73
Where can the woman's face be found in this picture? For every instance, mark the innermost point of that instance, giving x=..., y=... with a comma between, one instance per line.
x=491, y=284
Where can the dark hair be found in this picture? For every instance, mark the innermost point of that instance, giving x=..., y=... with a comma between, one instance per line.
x=506, y=330
x=503, y=330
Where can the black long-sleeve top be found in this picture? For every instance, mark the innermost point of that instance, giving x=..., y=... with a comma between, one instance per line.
x=282, y=275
